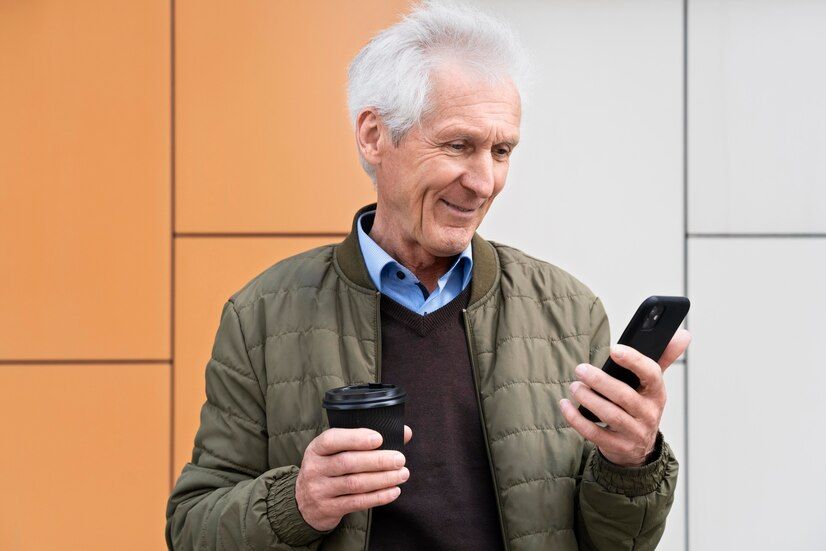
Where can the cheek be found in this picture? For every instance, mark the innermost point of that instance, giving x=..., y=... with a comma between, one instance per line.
x=435, y=180
x=499, y=183
x=442, y=168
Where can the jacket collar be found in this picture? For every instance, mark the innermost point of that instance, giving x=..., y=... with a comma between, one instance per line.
x=350, y=260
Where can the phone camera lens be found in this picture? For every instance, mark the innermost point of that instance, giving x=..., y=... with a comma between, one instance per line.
x=653, y=317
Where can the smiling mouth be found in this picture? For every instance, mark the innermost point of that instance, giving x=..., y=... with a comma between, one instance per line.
x=457, y=207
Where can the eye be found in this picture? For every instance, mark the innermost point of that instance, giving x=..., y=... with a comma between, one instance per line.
x=457, y=146
x=504, y=151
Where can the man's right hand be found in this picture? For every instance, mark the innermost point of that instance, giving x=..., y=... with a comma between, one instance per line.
x=342, y=471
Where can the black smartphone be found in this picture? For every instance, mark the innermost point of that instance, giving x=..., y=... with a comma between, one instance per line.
x=649, y=332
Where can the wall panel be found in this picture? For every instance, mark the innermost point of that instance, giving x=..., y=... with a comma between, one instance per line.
x=757, y=108
x=84, y=463
x=672, y=426
x=595, y=185
x=263, y=137
x=84, y=180
x=207, y=272
x=755, y=393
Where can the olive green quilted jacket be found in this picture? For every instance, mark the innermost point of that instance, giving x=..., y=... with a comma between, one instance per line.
x=311, y=322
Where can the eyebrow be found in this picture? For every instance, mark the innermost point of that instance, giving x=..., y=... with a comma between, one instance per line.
x=468, y=134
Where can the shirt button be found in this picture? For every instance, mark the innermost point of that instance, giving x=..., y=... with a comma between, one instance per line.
x=400, y=275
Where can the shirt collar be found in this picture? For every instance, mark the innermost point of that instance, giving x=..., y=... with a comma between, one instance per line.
x=378, y=262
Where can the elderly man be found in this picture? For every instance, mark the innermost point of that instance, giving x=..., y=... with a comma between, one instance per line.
x=484, y=338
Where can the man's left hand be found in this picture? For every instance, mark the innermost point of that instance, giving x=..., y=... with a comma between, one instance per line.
x=632, y=416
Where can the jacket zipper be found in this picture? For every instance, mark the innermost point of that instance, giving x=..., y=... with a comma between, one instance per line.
x=378, y=380
x=484, y=426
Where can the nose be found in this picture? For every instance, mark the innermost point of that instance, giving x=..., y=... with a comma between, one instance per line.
x=479, y=176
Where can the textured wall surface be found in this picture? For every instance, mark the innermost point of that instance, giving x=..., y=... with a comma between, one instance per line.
x=155, y=156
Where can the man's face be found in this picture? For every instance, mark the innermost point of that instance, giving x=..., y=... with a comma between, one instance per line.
x=437, y=186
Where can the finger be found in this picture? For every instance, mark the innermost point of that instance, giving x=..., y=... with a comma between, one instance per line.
x=362, y=461
x=365, y=482
x=646, y=369
x=408, y=434
x=589, y=430
x=675, y=349
x=608, y=412
x=337, y=440
x=360, y=502
x=611, y=388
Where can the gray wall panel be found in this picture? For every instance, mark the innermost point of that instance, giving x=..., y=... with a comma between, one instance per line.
x=595, y=185
x=756, y=394
x=673, y=429
x=757, y=116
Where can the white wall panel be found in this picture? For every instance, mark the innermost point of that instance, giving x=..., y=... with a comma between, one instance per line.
x=595, y=185
x=673, y=429
x=756, y=384
x=757, y=116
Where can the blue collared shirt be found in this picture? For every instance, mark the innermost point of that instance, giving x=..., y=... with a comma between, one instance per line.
x=400, y=284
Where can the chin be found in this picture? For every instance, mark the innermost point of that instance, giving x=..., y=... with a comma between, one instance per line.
x=451, y=243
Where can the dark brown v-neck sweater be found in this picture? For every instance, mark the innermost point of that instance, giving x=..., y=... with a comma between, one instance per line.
x=448, y=501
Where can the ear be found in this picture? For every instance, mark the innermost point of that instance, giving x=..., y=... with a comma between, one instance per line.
x=370, y=136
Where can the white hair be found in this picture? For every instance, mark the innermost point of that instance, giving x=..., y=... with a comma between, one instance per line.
x=392, y=73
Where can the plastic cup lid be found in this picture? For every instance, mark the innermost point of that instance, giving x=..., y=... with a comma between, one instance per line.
x=365, y=396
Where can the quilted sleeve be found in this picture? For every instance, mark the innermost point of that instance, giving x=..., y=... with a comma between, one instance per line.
x=227, y=497
x=617, y=507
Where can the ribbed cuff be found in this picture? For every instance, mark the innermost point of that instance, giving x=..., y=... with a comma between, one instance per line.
x=283, y=513
x=632, y=481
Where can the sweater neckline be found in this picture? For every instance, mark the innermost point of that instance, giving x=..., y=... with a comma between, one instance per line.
x=425, y=324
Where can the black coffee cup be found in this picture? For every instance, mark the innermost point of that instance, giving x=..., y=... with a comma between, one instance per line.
x=376, y=406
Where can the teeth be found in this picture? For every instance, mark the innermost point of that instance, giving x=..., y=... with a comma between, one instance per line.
x=458, y=207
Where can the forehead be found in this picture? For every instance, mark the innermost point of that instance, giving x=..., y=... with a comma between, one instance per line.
x=468, y=105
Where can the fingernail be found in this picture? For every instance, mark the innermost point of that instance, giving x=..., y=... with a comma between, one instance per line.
x=399, y=460
x=405, y=473
x=375, y=439
x=581, y=370
x=574, y=386
x=563, y=403
x=618, y=351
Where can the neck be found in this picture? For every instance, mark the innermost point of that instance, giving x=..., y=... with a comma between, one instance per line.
x=427, y=267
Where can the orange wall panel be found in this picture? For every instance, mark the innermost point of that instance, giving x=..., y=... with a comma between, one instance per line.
x=84, y=180
x=262, y=132
x=207, y=272
x=84, y=457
